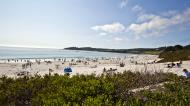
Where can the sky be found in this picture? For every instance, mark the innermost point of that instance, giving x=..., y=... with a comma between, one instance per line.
x=118, y=24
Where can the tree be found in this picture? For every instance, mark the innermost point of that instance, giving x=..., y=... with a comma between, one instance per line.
x=178, y=47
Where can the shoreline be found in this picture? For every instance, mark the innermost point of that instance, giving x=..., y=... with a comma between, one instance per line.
x=128, y=55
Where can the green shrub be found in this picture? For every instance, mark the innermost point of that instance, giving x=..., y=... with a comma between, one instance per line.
x=106, y=90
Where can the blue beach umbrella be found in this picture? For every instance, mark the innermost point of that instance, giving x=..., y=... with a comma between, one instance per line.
x=67, y=70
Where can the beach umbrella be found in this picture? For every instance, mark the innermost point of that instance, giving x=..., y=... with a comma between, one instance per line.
x=67, y=70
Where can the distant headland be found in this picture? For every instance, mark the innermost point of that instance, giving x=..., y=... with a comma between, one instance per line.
x=169, y=53
x=133, y=51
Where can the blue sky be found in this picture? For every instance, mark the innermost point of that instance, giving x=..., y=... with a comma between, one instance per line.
x=95, y=23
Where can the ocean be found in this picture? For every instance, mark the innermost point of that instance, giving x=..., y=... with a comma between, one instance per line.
x=32, y=53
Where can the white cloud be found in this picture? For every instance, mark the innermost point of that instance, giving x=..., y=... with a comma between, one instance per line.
x=123, y=3
x=102, y=33
x=118, y=39
x=137, y=8
x=154, y=24
x=145, y=17
x=110, y=28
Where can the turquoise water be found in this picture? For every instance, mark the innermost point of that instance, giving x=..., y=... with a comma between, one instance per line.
x=13, y=52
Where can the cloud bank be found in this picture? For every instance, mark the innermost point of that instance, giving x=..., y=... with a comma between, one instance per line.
x=146, y=25
x=154, y=24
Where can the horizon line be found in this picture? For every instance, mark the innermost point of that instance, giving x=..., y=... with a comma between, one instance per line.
x=32, y=47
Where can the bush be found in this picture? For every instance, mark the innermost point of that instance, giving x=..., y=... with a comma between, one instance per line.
x=93, y=90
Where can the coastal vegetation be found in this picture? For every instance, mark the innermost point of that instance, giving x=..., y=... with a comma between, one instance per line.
x=106, y=89
x=175, y=53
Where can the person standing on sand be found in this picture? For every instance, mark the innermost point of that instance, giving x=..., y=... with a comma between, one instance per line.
x=187, y=73
x=30, y=64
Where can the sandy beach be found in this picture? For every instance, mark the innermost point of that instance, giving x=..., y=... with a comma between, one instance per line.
x=134, y=63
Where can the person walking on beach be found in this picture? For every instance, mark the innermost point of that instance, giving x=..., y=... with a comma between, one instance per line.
x=30, y=64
